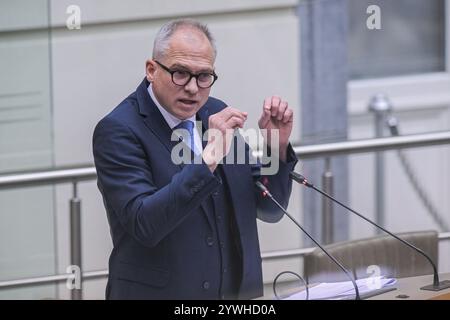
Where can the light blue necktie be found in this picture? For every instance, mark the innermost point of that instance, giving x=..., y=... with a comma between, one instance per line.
x=188, y=139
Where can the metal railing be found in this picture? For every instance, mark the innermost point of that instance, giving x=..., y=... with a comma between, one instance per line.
x=76, y=175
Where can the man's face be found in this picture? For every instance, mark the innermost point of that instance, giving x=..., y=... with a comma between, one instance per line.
x=189, y=50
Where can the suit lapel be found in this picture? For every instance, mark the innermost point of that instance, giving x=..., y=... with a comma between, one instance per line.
x=230, y=171
x=152, y=118
x=202, y=116
x=236, y=190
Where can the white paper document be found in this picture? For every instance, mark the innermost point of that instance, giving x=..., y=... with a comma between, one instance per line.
x=342, y=290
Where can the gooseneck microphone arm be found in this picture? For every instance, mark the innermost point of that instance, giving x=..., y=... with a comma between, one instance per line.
x=436, y=286
x=266, y=193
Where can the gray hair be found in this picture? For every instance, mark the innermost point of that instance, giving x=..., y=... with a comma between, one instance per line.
x=161, y=43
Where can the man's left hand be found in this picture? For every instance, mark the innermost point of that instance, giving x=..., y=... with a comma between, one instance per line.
x=277, y=116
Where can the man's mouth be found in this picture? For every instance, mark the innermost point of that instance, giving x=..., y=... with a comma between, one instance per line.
x=187, y=101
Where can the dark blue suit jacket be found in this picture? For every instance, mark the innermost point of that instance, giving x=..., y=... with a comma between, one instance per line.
x=164, y=242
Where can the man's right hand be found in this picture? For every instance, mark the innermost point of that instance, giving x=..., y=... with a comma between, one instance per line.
x=220, y=134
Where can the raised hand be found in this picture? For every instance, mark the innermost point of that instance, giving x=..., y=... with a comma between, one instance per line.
x=277, y=116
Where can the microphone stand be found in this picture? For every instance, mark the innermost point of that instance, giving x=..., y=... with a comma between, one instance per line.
x=436, y=286
x=266, y=193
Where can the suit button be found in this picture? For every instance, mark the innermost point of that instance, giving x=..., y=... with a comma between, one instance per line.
x=224, y=270
x=222, y=244
x=206, y=285
x=209, y=241
x=215, y=193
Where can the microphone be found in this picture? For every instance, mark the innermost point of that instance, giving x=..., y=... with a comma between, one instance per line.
x=266, y=193
x=436, y=286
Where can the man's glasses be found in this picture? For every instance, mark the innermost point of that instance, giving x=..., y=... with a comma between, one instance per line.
x=182, y=77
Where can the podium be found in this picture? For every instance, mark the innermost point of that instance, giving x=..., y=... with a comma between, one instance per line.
x=409, y=289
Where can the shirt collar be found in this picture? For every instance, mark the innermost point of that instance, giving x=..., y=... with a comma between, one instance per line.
x=171, y=120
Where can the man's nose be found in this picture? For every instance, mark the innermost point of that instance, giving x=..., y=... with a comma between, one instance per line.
x=191, y=86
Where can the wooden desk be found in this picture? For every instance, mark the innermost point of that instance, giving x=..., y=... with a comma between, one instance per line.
x=406, y=289
x=409, y=289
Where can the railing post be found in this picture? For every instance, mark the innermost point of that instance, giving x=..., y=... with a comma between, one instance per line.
x=327, y=205
x=380, y=106
x=75, y=242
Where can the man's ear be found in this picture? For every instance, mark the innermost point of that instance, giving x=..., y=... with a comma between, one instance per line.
x=150, y=69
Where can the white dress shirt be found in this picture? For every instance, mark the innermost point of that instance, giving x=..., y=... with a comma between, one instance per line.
x=173, y=121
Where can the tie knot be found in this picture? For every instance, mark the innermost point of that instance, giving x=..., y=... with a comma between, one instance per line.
x=186, y=124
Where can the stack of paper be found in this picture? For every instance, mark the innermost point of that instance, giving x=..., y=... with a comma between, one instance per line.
x=343, y=290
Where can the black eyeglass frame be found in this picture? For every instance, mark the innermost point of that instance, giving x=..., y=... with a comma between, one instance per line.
x=191, y=75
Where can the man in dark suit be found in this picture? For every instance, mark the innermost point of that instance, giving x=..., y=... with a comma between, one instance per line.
x=185, y=231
